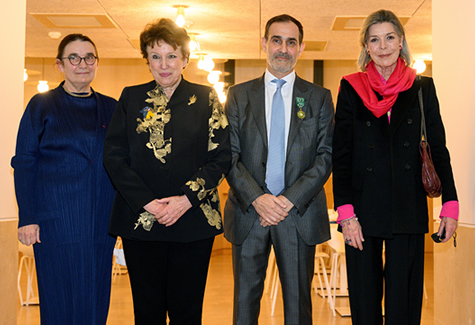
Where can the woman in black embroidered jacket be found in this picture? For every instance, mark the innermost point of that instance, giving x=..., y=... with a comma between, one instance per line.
x=166, y=152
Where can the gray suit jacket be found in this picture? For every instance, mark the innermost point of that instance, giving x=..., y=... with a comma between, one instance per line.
x=308, y=161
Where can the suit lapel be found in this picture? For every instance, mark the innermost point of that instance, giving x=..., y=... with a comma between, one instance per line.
x=300, y=90
x=258, y=106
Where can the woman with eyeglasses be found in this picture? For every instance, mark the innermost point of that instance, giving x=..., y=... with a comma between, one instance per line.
x=63, y=192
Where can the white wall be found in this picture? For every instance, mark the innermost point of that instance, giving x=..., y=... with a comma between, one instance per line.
x=454, y=74
x=12, y=23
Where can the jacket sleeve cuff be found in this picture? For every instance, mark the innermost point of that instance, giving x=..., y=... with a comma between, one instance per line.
x=345, y=211
x=450, y=209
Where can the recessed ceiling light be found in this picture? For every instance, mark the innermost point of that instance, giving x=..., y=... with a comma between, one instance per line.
x=316, y=46
x=54, y=35
x=355, y=22
x=74, y=21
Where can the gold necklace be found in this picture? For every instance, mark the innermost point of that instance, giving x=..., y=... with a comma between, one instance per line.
x=78, y=94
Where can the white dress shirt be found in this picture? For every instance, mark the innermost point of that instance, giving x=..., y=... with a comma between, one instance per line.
x=287, y=91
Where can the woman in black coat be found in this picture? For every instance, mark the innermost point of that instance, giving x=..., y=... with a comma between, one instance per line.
x=377, y=179
x=166, y=152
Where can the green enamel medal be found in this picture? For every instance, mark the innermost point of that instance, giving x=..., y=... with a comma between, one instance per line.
x=300, y=104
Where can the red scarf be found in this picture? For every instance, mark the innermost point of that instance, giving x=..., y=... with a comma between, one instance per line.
x=366, y=83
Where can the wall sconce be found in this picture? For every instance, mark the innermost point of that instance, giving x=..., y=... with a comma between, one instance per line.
x=180, y=15
x=420, y=66
x=25, y=75
x=194, y=45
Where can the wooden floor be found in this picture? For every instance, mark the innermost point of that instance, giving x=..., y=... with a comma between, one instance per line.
x=218, y=300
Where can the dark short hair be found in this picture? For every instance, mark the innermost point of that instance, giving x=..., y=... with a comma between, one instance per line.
x=378, y=17
x=71, y=38
x=284, y=19
x=165, y=30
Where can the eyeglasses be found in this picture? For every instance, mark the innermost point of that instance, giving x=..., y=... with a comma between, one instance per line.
x=76, y=59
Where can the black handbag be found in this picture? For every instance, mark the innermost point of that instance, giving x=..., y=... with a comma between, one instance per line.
x=430, y=179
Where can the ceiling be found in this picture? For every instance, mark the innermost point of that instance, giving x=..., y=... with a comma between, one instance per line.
x=227, y=29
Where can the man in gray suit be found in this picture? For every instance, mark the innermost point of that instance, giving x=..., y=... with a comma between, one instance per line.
x=276, y=195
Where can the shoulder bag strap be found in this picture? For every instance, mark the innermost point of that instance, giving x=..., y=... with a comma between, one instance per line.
x=423, y=119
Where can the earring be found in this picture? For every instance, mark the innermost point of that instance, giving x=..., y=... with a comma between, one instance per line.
x=400, y=47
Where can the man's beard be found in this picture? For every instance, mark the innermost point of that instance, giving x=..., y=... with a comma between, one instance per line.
x=282, y=67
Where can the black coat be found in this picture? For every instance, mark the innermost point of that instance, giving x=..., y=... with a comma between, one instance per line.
x=376, y=164
x=184, y=149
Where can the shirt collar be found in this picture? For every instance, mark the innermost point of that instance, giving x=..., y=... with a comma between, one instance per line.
x=289, y=79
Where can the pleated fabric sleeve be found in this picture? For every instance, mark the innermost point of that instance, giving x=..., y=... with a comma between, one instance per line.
x=62, y=186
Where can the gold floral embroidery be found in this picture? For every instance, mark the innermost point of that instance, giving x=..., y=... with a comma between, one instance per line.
x=192, y=100
x=154, y=120
x=146, y=219
x=199, y=184
x=217, y=120
x=195, y=185
x=213, y=215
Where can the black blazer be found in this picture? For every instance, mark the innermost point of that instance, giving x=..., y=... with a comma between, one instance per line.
x=187, y=154
x=376, y=164
x=308, y=160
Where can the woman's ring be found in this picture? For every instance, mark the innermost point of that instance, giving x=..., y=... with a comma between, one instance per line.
x=348, y=241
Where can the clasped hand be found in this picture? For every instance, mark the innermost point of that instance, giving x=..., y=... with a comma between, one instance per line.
x=168, y=210
x=272, y=209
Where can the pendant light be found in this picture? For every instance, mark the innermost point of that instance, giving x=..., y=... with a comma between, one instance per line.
x=43, y=84
x=180, y=15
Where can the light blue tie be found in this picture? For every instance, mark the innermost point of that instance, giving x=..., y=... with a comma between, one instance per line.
x=275, y=178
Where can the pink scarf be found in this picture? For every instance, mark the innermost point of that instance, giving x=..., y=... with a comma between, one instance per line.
x=366, y=83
